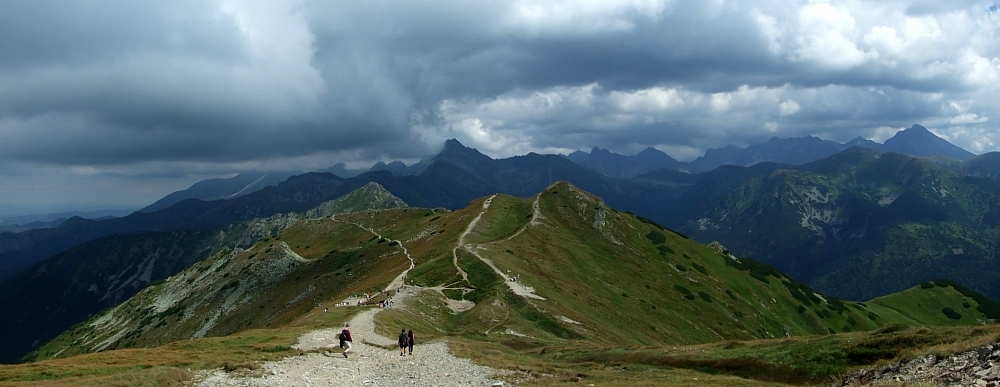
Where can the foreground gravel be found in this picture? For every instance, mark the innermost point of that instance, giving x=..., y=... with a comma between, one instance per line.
x=430, y=365
x=368, y=364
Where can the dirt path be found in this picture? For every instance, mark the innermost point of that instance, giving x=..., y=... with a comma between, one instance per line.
x=369, y=364
x=514, y=286
x=461, y=237
x=536, y=219
x=397, y=282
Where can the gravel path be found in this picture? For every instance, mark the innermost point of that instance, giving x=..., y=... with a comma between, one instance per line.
x=430, y=365
x=368, y=364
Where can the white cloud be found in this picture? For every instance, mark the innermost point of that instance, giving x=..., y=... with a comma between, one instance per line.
x=981, y=72
x=647, y=100
x=769, y=30
x=788, y=107
x=967, y=118
x=826, y=37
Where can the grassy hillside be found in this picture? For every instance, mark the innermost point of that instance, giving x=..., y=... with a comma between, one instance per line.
x=601, y=286
x=608, y=276
x=77, y=284
x=863, y=223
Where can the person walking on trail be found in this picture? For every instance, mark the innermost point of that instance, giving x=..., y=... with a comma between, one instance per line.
x=345, y=339
x=403, y=342
x=409, y=340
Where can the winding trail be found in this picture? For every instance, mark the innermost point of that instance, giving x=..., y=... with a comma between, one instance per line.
x=515, y=286
x=397, y=282
x=369, y=363
x=536, y=218
x=461, y=237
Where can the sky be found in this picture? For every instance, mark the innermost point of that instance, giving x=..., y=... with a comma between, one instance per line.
x=109, y=102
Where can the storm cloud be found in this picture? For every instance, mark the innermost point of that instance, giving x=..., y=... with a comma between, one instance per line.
x=147, y=97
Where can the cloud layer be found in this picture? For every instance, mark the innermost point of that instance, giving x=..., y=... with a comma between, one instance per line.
x=156, y=94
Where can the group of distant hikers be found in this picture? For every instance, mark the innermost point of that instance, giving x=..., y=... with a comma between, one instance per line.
x=405, y=341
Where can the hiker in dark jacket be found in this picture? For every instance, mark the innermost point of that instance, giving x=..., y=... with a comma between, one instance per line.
x=345, y=339
x=409, y=340
x=403, y=342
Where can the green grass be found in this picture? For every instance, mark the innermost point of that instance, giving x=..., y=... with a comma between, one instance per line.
x=617, y=306
x=506, y=216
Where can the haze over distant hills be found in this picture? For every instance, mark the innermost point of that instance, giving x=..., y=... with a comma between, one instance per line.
x=19, y=223
x=218, y=189
x=915, y=141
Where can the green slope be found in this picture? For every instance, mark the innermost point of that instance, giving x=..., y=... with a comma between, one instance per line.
x=864, y=223
x=67, y=292
x=600, y=276
x=637, y=283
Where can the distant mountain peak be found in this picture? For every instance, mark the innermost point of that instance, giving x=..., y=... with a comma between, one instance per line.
x=454, y=148
x=601, y=152
x=921, y=142
x=453, y=145
x=650, y=150
x=620, y=166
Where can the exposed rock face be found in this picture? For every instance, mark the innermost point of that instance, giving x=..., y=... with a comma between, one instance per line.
x=978, y=367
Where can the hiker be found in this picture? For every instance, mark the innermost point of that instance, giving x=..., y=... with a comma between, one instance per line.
x=403, y=342
x=345, y=339
x=409, y=340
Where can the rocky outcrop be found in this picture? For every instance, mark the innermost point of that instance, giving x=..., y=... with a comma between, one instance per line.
x=978, y=367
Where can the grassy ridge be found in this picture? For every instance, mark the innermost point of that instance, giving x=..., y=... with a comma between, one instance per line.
x=624, y=300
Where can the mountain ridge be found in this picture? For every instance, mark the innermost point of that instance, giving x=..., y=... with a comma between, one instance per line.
x=577, y=257
x=915, y=141
x=223, y=188
x=70, y=286
x=849, y=224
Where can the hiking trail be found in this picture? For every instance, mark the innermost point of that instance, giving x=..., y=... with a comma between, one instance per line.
x=369, y=363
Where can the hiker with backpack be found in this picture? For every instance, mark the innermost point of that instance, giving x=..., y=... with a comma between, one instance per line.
x=345, y=339
x=403, y=342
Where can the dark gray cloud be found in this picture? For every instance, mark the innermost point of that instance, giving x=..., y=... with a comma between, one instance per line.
x=146, y=97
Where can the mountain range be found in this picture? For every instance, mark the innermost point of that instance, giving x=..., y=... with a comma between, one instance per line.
x=220, y=189
x=826, y=203
x=464, y=172
x=915, y=141
x=862, y=222
x=547, y=271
